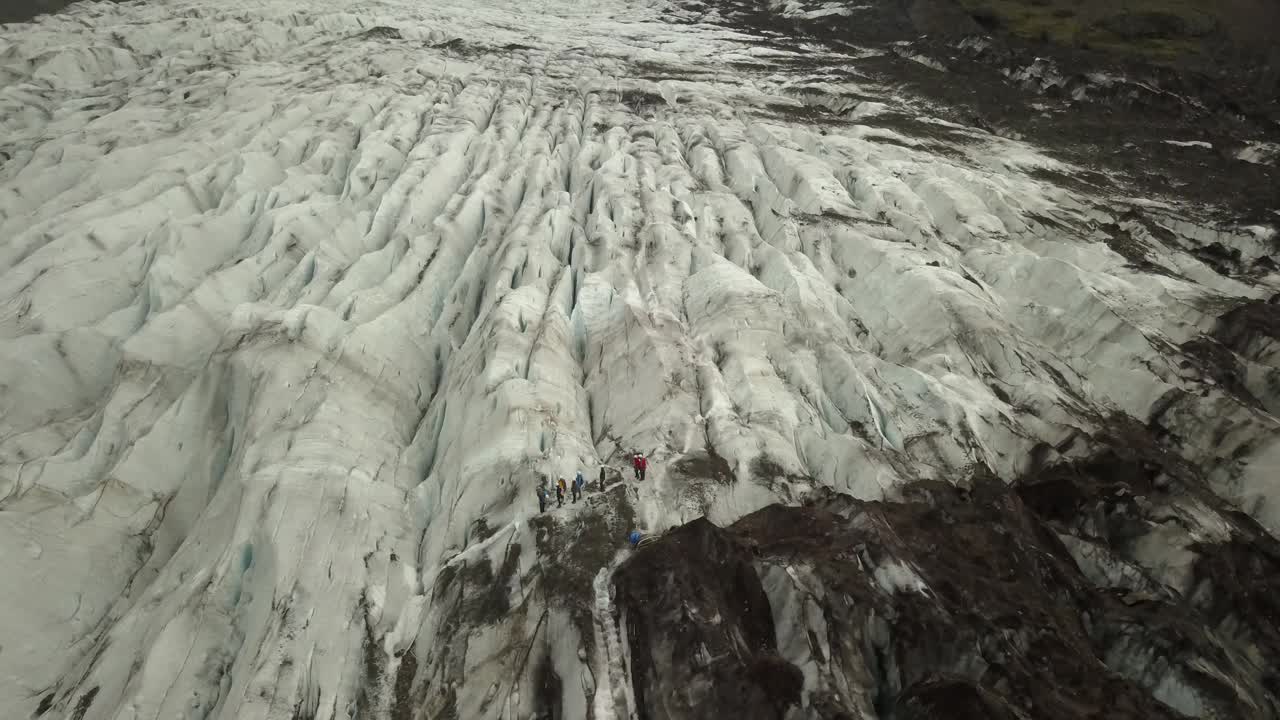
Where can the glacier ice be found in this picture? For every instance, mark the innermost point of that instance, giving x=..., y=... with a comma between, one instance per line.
x=297, y=300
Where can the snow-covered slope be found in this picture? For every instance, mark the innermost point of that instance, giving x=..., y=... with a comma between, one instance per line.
x=297, y=299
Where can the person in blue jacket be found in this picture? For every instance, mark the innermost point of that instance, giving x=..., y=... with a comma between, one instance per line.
x=578, y=483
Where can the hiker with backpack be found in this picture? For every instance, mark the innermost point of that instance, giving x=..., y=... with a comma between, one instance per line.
x=560, y=488
x=542, y=497
x=578, y=483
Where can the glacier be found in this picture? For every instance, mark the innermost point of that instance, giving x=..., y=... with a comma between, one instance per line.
x=298, y=300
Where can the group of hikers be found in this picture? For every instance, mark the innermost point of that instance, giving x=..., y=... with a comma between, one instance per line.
x=639, y=464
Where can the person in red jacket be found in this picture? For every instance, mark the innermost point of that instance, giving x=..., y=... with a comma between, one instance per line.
x=640, y=463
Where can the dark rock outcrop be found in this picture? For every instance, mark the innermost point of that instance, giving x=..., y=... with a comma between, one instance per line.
x=1252, y=329
x=1114, y=587
x=700, y=630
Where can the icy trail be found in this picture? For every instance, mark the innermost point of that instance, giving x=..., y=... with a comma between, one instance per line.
x=613, y=699
x=297, y=298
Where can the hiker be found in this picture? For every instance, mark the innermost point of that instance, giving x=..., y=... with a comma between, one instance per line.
x=640, y=464
x=578, y=483
x=560, y=488
x=542, y=498
x=601, y=478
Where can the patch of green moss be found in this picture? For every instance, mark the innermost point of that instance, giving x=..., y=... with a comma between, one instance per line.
x=1157, y=30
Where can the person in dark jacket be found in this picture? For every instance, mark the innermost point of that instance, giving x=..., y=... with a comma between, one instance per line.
x=601, y=478
x=542, y=498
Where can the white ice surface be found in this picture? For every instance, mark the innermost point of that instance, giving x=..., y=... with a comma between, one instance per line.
x=1259, y=153
x=280, y=300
